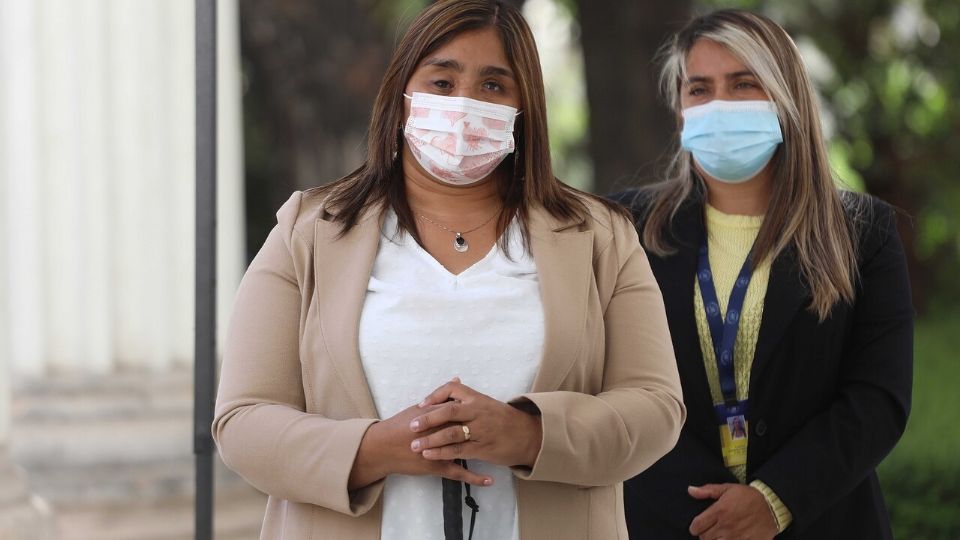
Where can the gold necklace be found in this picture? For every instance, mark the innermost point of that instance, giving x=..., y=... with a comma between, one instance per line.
x=459, y=242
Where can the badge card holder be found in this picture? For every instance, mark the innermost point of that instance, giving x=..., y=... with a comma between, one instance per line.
x=733, y=433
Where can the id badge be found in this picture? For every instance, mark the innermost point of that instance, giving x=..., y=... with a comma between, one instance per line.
x=733, y=440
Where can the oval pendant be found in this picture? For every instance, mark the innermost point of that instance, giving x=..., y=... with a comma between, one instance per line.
x=460, y=244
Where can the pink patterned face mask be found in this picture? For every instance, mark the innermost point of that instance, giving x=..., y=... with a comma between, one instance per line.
x=458, y=140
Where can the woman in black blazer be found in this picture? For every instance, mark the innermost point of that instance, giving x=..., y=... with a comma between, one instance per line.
x=788, y=303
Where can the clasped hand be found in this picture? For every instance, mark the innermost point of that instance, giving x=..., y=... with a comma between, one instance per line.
x=425, y=439
x=495, y=431
x=739, y=512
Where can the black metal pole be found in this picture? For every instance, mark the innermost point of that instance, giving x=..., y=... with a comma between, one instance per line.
x=205, y=347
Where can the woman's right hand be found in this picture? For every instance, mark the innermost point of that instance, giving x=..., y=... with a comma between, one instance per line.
x=385, y=449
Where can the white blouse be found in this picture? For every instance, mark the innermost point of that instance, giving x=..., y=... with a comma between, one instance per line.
x=420, y=327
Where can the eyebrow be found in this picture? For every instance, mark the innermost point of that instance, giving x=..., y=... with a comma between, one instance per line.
x=486, y=71
x=734, y=75
x=446, y=63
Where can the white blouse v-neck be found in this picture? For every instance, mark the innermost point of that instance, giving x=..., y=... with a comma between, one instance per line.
x=420, y=327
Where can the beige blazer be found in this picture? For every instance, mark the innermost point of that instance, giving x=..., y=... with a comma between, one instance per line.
x=293, y=402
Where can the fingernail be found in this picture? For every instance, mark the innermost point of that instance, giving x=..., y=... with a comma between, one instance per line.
x=422, y=404
x=428, y=453
x=415, y=444
x=487, y=481
x=415, y=425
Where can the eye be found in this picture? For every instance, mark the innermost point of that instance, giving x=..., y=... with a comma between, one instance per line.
x=746, y=85
x=442, y=84
x=696, y=91
x=493, y=86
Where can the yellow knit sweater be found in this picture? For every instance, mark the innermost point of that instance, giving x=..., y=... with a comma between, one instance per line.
x=729, y=239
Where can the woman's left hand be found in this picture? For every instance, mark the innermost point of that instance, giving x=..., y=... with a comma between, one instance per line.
x=495, y=432
x=739, y=512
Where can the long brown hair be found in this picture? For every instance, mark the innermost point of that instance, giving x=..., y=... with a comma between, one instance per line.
x=806, y=210
x=527, y=175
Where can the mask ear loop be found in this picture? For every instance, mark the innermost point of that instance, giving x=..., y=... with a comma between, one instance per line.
x=518, y=173
x=516, y=190
x=397, y=141
x=396, y=152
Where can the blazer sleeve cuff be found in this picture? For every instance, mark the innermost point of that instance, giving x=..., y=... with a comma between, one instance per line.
x=572, y=424
x=358, y=501
x=525, y=404
x=297, y=456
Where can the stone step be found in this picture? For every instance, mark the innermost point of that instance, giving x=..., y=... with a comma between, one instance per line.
x=113, y=457
x=104, y=442
x=122, y=396
x=90, y=442
x=108, y=485
x=236, y=517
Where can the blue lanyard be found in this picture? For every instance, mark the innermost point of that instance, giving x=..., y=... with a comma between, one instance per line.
x=723, y=331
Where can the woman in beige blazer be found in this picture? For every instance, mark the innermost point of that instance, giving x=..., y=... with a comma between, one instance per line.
x=449, y=300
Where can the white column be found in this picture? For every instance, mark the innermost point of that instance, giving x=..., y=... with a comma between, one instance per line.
x=22, y=516
x=230, y=195
x=59, y=182
x=177, y=70
x=99, y=203
x=20, y=218
x=140, y=203
x=97, y=197
x=5, y=347
x=96, y=352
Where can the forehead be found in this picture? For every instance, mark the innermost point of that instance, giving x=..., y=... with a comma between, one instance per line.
x=710, y=59
x=482, y=47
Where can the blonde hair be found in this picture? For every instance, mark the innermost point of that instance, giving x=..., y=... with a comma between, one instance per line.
x=806, y=210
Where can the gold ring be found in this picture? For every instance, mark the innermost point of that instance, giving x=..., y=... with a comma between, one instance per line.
x=466, y=432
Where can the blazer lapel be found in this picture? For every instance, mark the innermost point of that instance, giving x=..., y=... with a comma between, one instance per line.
x=676, y=274
x=564, y=259
x=786, y=295
x=342, y=269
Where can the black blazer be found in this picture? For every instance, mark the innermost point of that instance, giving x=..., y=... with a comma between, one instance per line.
x=828, y=401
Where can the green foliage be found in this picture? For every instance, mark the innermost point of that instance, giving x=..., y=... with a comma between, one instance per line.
x=921, y=477
x=842, y=158
x=569, y=5
x=555, y=28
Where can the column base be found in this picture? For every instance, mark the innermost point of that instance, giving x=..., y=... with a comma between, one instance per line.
x=23, y=516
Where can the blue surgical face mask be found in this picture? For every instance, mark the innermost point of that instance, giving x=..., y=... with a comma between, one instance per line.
x=732, y=140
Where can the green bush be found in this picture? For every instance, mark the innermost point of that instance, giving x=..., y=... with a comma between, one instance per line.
x=921, y=477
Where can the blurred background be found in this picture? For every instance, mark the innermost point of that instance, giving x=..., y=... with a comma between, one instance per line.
x=97, y=215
